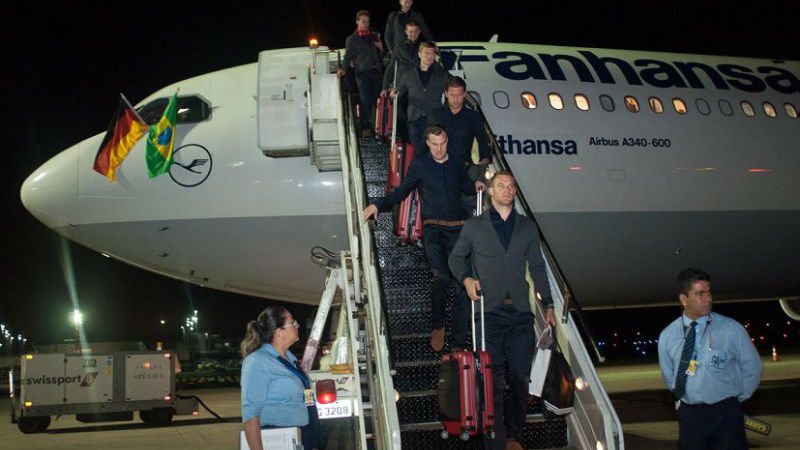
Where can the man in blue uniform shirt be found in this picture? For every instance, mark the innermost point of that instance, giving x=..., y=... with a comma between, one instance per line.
x=711, y=366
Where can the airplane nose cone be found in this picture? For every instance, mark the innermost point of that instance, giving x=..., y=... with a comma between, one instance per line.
x=51, y=192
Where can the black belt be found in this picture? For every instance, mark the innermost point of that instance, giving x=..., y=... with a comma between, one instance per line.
x=695, y=405
x=707, y=405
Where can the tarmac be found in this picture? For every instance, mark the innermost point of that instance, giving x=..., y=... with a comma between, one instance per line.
x=642, y=402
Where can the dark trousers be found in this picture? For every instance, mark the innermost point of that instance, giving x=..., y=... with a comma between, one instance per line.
x=438, y=242
x=509, y=340
x=369, y=86
x=718, y=426
x=416, y=134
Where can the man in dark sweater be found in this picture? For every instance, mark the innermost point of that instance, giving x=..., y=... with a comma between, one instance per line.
x=441, y=179
x=463, y=125
x=363, y=57
x=501, y=243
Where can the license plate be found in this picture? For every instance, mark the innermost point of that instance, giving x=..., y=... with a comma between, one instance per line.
x=339, y=408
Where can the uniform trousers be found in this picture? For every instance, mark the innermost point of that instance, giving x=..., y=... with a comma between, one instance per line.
x=716, y=426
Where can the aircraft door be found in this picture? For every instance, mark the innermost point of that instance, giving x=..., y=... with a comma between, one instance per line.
x=282, y=102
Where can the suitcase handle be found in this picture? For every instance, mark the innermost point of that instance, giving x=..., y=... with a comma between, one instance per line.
x=478, y=211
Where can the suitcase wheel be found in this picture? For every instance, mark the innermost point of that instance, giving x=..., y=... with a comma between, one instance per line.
x=444, y=434
x=464, y=436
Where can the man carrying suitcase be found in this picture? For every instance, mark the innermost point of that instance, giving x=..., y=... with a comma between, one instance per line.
x=441, y=178
x=500, y=243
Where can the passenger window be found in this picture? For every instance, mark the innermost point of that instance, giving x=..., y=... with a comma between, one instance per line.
x=656, y=105
x=528, y=100
x=191, y=109
x=791, y=111
x=703, y=106
x=631, y=104
x=501, y=99
x=747, y=109
x=555, y=101
x=725, y=108
x=769, y=110
x=607, y=102
x=476, y=96
x=582, y=102
x=679, y=105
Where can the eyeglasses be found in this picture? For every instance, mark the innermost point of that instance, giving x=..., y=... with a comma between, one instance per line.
x=293, y=323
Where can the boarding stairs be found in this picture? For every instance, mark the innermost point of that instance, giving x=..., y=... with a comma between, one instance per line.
x=387, y=305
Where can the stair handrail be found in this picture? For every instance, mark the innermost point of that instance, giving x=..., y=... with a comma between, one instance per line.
x=362, y=245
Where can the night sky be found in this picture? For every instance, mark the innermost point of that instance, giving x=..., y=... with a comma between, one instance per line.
x=63, y=67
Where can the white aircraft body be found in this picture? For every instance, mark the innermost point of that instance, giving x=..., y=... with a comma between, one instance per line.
x=627, y=191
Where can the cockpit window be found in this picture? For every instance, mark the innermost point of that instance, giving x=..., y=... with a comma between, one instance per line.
x=790, y=110
x=191, y=109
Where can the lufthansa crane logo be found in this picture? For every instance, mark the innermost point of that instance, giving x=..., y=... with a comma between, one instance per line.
x=191, y=165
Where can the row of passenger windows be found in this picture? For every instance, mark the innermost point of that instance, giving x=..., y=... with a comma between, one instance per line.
x=631, y=103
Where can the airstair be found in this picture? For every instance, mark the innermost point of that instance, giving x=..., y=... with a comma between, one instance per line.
x=386, y=302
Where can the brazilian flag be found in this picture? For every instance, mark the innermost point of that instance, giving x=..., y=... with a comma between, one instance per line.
x=161, y=140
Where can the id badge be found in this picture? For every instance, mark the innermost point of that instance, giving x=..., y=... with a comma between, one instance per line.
x=692, y=369
x=309, y=396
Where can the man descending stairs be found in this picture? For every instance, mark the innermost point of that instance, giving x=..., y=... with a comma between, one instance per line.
x=406, y=283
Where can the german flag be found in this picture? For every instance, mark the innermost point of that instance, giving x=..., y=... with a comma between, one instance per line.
x=125, y=129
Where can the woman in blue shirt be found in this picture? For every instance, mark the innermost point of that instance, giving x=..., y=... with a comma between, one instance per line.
x=273, y=385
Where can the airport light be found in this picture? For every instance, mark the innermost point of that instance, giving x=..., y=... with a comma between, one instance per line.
x=163, y=321
x=77, y=318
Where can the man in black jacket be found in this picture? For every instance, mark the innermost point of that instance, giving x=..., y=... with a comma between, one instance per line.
x=363, y=57
x=441, y=179
x=423, y=86
x=396, y=24
x=501, y=243
x=405, y=56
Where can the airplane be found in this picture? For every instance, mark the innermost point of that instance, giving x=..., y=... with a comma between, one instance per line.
x=636, y=165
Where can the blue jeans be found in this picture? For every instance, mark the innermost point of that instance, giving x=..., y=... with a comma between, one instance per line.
x=509, y=339
x=369, y=86
x=438, y=242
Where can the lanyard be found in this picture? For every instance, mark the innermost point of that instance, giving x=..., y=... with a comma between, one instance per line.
x=296, y=371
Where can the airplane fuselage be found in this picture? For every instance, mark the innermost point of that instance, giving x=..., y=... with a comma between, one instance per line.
x=625, y=199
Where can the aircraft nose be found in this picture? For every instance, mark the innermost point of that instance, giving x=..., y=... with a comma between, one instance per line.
x=50, y=193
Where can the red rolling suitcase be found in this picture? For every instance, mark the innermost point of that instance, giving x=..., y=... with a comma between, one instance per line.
x=465, y=392
x=399, y=159
x=409, y=221
x=384, y=118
